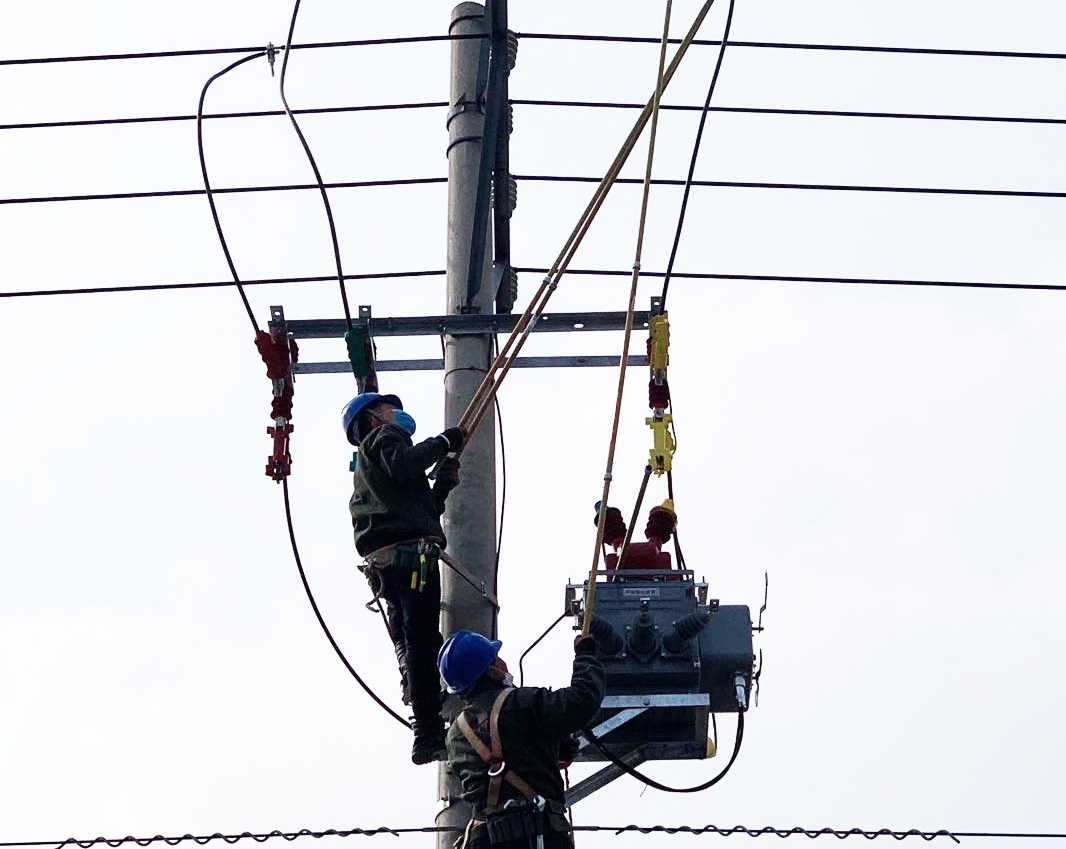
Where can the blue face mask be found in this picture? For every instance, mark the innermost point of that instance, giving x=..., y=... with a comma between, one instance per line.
x=405, y=422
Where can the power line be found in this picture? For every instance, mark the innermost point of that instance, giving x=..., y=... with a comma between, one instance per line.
x=544, y=178
x=580, y=104
x=825, y=187
x=216, y=51
x=784, y=45
x=214, y=284
x=695, y=155
x=724, y=831
x=314, y=166
x=586, y=272
x=167, y=193
x=259, y=113
x=820, y=113
x=544, y=36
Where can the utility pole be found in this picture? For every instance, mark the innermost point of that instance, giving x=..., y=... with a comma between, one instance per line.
x=470, y=520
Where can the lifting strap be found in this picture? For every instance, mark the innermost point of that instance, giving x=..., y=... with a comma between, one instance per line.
x=498, y=772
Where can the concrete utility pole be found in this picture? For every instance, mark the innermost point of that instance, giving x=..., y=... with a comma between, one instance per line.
x=470, y=520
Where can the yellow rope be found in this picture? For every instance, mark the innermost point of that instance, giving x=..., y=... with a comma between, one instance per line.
x=590, y=593
x=482, y=400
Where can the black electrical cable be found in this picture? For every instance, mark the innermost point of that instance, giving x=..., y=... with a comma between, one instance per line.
x=828, y=187
x=783, y=45
x=318, y=613
x=580, y=104
x=314, y=165
x=215, y=284
x=258, y=113
x=207, y=182
x=547, y=178
x=215, y=51
x=650, y=782
x=758, y=110
x=236, y=190
x=549, y=36
x=587, y=272
x=783, y=278
x=696, y=153
x=534, y=644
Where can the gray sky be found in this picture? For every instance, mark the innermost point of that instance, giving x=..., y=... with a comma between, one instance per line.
x=892, y=456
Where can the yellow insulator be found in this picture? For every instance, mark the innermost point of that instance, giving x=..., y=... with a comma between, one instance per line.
x=662, y=454
x=659, y=353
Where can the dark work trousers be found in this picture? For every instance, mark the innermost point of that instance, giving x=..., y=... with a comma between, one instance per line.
x=414, y=625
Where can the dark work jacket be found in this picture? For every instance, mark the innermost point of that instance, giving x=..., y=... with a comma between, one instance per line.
x=532, y=722
x=392, y=500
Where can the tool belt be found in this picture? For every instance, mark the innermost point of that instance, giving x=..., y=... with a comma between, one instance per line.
x=522, y=822
x=421, y=557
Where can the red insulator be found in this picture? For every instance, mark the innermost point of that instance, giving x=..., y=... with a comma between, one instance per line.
x=658, y=394
x=281, y=406
x=614, y=526
x=661, y=525
x=273, y=354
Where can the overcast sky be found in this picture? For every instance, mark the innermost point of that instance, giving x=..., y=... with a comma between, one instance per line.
x=893, y=457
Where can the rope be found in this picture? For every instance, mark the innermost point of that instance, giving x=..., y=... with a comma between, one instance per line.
x=590, y=593
x=501, y=365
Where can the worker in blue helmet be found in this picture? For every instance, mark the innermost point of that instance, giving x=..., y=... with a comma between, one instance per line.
x=396, y=515
x=505, y=745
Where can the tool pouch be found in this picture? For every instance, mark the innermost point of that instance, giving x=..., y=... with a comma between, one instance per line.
x=421, y=559
x=514, y=824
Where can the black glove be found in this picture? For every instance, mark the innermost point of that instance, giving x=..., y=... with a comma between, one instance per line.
x=568, y=750
x=585, y=644
x=454, y=437
x=447, y=475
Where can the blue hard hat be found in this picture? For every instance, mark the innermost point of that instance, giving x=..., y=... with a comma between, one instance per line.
x=464, y=658
x=359, y=403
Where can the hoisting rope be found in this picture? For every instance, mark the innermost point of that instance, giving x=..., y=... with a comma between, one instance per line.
x=590, y=593
x=483, y=398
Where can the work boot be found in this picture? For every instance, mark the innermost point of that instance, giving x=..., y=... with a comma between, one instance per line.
x=428, y=748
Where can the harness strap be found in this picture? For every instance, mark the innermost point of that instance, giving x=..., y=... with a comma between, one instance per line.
x=498, y=772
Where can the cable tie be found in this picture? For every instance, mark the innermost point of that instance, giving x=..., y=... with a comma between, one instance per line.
x=271, y=52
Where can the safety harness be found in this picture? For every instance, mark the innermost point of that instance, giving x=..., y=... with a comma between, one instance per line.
x=508, y=822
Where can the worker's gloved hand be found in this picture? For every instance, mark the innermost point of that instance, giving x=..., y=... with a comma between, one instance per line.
x=568, y=749
x=447, y=475
x=453, y=437
x=585, y=644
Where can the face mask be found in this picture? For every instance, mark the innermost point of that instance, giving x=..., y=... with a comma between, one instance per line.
x=405, y=422
x=508, y=680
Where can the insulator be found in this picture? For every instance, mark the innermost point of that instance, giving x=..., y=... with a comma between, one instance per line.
x=508, y=292
x=685, y=629
x=512, y=195
x=658, y=394
x=662, y=521
x=614, y=526
x=512, y=50
x=643, y=641
x=608, y=639
x=510, y=118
